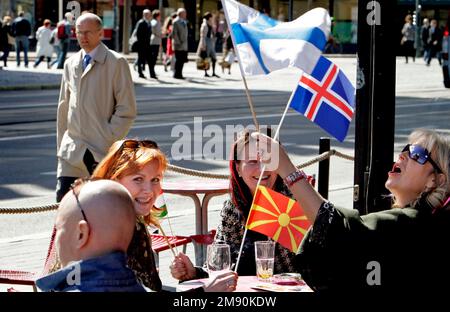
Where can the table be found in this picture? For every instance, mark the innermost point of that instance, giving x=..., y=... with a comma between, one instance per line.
x=246, y=284
x=192, y=188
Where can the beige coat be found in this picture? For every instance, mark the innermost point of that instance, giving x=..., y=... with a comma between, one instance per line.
x=96, y=108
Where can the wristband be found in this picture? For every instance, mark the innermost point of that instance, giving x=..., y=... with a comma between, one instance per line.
x=294, y=177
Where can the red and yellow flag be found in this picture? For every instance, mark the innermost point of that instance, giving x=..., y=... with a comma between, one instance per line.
x=278, y=217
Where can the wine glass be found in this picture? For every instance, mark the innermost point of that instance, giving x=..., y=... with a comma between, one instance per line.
x=218, y=258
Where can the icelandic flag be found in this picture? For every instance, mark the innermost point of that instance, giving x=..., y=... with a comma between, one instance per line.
x=264, y=45
x=326, y=97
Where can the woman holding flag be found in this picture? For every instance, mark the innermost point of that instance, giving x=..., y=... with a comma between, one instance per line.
x=139, y=165
x=397, y=249
x=245, y=169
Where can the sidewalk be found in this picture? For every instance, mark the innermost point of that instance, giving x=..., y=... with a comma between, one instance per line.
x=40, y=78
x=22, y=78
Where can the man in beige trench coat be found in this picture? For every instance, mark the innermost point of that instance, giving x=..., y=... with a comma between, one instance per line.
x=97, y=105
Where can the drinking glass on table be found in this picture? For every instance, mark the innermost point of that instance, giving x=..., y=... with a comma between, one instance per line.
x=264, y=257
x=218, y=258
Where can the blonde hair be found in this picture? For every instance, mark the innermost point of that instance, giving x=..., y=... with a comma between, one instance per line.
x=123, y=161
x=439, y=148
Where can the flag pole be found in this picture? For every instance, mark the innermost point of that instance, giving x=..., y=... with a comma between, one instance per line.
x=277, y=134
x=167, y=240
x=171, y=231
x=247, y=91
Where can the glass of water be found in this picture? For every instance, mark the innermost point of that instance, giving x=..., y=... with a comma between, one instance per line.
x=264, y=257
x=218, y=258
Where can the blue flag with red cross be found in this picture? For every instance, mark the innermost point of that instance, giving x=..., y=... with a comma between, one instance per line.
x=326, y=97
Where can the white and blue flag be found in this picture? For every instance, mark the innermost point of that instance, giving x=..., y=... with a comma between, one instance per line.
x=265, y=45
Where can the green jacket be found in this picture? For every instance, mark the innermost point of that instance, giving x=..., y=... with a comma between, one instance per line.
x=394, y=249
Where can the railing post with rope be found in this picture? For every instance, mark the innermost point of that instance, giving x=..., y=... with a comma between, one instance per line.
x=324, y=167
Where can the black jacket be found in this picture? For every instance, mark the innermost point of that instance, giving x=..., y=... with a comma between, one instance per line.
x=406, y=248
x=21, y=27
x=143, y=33
x=435, y=36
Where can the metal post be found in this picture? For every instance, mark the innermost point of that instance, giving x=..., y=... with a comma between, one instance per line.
x=375, y=103
x=291, y=10
x=126, y=27
x=324, y=168
x=116, y=26
x=418, y=39
x=60, y=10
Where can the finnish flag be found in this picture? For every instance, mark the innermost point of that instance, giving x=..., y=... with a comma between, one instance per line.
x=265, y=45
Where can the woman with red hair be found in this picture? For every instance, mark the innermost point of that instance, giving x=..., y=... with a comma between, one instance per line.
x=44, y=48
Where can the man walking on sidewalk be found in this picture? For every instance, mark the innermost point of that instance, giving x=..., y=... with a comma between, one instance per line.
x=143, y=33
x=97, y=104
x=21, y=29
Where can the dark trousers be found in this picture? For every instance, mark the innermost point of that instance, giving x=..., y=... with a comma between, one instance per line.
x=40, y=59
x=180, y=59
x=154, y=51
x=63, y=184
x=5, y=54
x=143, y=57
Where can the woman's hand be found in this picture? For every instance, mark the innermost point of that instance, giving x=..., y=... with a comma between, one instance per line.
x=225, y=282
x=182, y=268
x=273, y=155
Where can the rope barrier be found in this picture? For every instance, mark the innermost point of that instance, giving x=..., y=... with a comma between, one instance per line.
x=29, y=210
x=185, y=171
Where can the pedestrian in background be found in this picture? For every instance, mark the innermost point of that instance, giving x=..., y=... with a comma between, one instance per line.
x=21, y=30
x=64, y=32
x=44, y=47
x=56, y=47
x=180, y=42
x=97, y=104
x=169, y=56
x=206, y=44
x=143, y=33
x=228, y=52
x=5, y=35
x=434, y=42
x=425, y=33
x=408, y=39
x=155, y=41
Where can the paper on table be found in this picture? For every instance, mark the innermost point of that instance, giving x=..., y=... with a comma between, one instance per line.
x=282, y=288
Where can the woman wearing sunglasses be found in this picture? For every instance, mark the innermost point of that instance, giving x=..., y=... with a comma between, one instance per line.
x=139, y=166
x=397, y=249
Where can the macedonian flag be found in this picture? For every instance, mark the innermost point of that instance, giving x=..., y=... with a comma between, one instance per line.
x=278, y=217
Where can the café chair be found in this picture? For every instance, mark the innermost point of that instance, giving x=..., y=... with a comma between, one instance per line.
x=29, y=278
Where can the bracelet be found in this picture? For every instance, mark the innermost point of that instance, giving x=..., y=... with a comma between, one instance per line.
x=294, y=177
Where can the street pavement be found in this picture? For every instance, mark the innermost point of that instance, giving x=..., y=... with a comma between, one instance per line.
x=27, y=158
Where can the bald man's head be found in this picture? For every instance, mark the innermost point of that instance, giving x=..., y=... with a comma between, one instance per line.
x=107, y=226
x=89, y=31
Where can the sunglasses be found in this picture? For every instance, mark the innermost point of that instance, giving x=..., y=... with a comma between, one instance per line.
x=134, y=144
x=77, y=184
x=420, y=155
